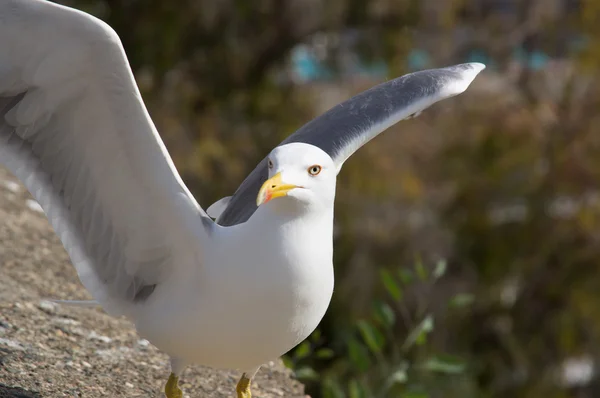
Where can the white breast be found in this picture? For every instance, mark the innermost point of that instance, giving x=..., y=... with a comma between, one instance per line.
x=270, y=281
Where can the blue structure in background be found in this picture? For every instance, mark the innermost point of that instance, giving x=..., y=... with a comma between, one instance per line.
x=418, y=59
x=307, y=67
x=535, y=60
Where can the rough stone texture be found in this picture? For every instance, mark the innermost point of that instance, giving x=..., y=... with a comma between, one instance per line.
x=47, y=350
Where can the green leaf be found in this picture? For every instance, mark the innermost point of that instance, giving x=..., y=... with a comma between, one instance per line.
x=358, y=355
x=288, y=362
x=415, y=394
x=461, y=300
x=302, y=351
x=444, y=364
x=355, y=390
x=316, y=335
x=419, y=334
x=306, y=373
x=390, y=284
x=406, y=276
x=384, y=314
x=332, y=389
x=420, y=268
x=325, y=353
x=440, y=269
x=371, y=336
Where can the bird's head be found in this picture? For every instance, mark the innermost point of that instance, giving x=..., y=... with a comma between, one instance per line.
x=299, y=174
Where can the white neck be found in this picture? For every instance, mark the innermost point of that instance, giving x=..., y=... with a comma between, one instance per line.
x=295, y=236
x=282, y=214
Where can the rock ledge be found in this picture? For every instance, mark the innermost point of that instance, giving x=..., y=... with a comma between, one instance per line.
x=48, y=350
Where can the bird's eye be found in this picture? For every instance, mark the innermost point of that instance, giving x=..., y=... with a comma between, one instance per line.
x=270, y=163
x=314, y=170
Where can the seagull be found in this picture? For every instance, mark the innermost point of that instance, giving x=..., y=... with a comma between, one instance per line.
x=234, y=287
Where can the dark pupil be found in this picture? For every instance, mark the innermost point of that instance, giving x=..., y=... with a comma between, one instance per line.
x=314, y=169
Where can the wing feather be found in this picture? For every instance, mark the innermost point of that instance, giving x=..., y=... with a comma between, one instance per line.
x=346, y=127
x=74, y=129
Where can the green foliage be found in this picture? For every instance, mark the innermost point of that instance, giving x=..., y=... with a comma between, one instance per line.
x=372, y=361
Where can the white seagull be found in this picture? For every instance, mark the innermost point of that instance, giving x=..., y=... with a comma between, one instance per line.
x=231, y=293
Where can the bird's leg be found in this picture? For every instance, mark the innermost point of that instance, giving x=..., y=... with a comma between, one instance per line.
x=172, y=389
x=243, y=387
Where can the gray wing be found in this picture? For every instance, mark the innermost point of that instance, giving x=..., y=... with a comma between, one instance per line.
x=348, y=126
x=75, y=131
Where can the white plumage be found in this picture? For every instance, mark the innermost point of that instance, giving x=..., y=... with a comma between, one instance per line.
x=86, y=148
x=75, y=131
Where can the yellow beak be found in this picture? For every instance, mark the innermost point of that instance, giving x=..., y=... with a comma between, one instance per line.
x=273, y=188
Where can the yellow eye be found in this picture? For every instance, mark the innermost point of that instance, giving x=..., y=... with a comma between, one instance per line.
x=314, y=170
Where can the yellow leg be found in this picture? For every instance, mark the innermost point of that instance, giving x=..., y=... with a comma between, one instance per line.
x=172, y=389
x=243, y=387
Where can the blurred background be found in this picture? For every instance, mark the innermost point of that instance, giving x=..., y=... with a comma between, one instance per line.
x=478, y=273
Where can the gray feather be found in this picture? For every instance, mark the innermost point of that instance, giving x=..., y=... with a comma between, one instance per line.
x=346, y=127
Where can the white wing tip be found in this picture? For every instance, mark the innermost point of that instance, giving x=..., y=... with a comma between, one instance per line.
x=468, y=73
x=474, y=69
x=477, y=66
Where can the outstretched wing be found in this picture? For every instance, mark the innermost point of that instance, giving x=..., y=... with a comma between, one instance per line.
x=75, y=131
x=348, y=126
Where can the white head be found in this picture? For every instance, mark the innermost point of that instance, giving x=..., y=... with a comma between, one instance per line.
x=299, y=175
